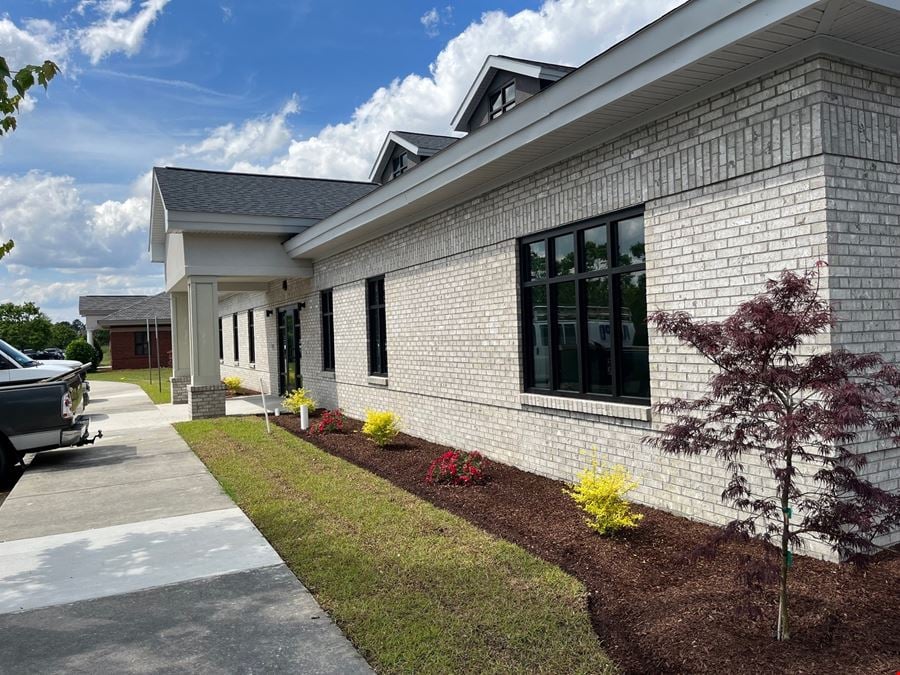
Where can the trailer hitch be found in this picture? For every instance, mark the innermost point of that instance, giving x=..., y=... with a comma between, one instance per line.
x=90, y=441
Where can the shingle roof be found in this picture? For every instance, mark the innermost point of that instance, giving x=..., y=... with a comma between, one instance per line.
x=427, y=141
x=155, y=307
x=101, y=305
x=256, y=194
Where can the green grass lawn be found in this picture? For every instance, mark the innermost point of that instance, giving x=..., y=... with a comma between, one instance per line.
x=415, y=588
x=142, y=378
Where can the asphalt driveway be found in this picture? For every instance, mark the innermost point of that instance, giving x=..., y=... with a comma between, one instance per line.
x=128, y=557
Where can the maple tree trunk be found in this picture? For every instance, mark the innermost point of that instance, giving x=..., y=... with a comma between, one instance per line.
x=783, y=627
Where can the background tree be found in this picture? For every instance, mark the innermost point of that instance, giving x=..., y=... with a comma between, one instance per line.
x=20, y=81
x=25, y=326
x=62, y=333
x=800, y=415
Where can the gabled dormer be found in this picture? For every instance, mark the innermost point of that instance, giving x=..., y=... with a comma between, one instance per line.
x=503, y=83
x=402, y=150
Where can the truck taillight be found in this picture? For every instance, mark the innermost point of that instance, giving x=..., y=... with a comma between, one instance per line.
x=67, y=411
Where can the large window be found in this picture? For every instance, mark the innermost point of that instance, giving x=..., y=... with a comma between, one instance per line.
x=584, y=307
x=141, y=343
x=376, y=326
x=327, y=305
x=503, y=100
x=251, y=337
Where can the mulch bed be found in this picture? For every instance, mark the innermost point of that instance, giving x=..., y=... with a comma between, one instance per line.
x=655, y=608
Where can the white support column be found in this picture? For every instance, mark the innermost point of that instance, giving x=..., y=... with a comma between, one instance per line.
x=206, y=393
x=90, y=337
x=181, y=347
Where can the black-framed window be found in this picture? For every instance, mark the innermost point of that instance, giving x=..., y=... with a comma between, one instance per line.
x=584, y=309
x=503, y=100
x=251, y=337
x=221, y=341
x=141, y=343
x=377, y=328
x=235, y=348
x=327, y=305
x=399, y=164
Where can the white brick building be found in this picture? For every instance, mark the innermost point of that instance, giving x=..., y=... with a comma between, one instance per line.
x=736, y=139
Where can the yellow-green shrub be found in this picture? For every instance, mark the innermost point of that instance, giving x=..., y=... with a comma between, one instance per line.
x=294, y=400
x=601, y=495
x=381, y=426
x=232, y=382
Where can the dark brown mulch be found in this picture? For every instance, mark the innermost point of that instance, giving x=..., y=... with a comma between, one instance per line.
x=655, y=609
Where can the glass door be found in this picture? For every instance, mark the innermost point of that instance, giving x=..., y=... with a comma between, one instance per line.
x=289, y=376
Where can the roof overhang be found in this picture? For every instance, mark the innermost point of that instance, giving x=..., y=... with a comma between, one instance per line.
x=690, y=54
x=492, y=65
x=387, y=148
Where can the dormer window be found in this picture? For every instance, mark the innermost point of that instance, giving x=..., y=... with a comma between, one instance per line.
x=503, y=100
x=399, y=164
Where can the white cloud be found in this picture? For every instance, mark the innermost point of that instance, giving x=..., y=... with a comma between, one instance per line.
x=561, y=31
x=117, y=33
x=433, y=19
x=54, y=226
x=256, y=139
x=34, y=42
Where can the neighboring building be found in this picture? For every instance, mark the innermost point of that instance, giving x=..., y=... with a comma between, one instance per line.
x=496, y=296
x=133, y=328
x=95, y=307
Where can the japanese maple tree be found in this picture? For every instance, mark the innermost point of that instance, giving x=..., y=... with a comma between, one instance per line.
x=801, y=414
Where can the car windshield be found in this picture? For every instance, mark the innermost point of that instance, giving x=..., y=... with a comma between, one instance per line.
x=16, y=355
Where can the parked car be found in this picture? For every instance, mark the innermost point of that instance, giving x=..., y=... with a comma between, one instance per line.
x=42, y=416
x=18, y=368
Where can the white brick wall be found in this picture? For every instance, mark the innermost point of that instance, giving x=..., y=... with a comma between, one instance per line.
x=735, y=189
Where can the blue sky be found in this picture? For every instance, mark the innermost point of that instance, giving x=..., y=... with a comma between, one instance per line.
x=277, y=86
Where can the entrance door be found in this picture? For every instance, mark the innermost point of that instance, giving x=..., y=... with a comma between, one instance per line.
x=289, y=376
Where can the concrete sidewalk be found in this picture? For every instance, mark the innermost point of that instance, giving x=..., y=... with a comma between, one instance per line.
x=128, y=557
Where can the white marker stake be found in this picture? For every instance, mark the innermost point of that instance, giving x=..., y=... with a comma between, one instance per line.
x=304, y=417
x=262, y=392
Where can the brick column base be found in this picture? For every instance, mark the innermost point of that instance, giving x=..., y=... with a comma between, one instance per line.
x=179, y=387
x=206, y=401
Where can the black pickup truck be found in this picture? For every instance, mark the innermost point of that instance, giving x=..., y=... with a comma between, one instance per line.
x=41, y=416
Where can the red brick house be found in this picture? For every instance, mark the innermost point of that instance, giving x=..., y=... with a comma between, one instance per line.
x=130, y=343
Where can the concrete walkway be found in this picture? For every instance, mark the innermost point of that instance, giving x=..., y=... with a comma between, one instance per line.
x=128, y=557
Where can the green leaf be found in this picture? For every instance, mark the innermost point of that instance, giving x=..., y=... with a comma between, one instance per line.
x=4, y=68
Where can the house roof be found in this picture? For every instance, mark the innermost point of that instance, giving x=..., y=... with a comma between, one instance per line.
x=102, y=305
x=421, y=145
x=494, y=64
x=255, y=194
x=153, y=307
x=694, y=52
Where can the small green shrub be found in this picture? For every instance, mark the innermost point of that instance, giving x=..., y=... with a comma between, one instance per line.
x=80, y=350
x=98, y=357
x=381, y=426
x=600, y=493
x=232, y=383
x=294, y=400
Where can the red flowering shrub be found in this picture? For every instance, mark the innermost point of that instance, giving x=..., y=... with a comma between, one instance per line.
x=331, y=421
x=456, y=467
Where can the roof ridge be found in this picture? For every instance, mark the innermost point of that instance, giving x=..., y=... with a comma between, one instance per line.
x=423, y=133
x=264, y=175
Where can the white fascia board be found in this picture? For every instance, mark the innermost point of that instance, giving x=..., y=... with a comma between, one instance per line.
x=227, y=223
x=385, y=152
x=156, y=240
x=492, y=65
x=686, y=34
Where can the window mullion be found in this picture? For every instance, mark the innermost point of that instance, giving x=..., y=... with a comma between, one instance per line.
x=553, y=336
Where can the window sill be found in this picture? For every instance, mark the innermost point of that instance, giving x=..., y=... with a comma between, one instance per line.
x=628, y=411
x=378, y=381
x=251, y=366
x=326, y=374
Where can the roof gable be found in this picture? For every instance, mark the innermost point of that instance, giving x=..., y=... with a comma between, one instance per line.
x=421, y=145
x=102, y=305
x=538, y=70
x=156, y=307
